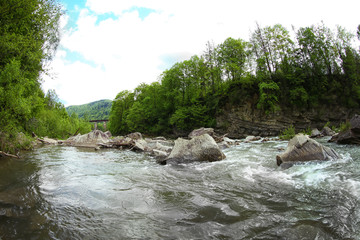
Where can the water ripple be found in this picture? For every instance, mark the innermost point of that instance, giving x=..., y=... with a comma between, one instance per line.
x=70, y=193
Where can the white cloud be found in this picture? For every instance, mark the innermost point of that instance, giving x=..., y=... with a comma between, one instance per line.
x=119, y=53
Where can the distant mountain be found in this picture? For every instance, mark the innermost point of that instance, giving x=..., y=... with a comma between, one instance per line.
x=98, y=110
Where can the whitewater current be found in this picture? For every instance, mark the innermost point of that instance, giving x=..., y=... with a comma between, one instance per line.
x=62, y=192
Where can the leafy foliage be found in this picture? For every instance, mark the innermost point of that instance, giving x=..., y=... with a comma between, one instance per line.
x=271, y=71
x=97, y=110
x=29, y=36
x=344, y=126
x=287, y=133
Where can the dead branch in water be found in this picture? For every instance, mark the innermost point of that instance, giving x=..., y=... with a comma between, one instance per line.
x=8, y=155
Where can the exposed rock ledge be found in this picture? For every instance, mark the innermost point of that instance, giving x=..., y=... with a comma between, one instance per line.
x=246, y=120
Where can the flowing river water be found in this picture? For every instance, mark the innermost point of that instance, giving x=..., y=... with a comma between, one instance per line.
x=72, y=193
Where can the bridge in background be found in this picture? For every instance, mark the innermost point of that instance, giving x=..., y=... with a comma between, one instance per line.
x=104, y=121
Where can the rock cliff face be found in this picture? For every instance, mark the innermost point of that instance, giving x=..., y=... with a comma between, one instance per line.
x=244, y=120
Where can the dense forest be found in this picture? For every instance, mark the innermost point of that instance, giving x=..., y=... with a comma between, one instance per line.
x=29, y=36
x=276, y=68
x=98, y=110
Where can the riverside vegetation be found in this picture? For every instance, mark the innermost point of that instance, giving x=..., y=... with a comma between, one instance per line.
x=273, y=71
x=97, y=110
x=29, y=36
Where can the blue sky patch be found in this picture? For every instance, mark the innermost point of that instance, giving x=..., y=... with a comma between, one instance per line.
x=73, y=8
x=102, y=17
x=143, y=12
x=72, y=56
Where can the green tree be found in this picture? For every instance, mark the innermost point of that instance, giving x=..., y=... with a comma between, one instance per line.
x=119, y=111
x=272, y=45
x=270, y=72
x=232, y=56
x=29, y=35
x=212, y=67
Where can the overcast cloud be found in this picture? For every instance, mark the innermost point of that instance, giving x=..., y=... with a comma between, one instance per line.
x=112, y=45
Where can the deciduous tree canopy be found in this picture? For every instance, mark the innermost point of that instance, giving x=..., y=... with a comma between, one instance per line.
x=29, y=36
x=315, y=66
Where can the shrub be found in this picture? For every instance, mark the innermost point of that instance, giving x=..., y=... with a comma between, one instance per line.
x=288, y=133
x=344, y=126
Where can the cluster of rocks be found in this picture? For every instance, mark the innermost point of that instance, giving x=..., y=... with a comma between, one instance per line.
x=325, y=132
x=205, y=145
x=201, y=145
x=302, y=149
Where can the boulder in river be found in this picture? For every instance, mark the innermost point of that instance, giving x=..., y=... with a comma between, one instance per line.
x=315, y=133
x=327, y=132
x=301, y=148
x=351, y=135
x=199, y=148
x=92, y=139
x=252, y=138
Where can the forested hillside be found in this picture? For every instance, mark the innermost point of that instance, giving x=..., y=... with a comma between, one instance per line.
x=98, y=110
x=29, y=36
x=310, y=67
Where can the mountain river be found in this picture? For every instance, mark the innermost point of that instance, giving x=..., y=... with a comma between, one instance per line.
x=62, y=192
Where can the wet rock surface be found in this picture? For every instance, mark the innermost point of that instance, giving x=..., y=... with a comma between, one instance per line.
x=199, y=148
x=351, y=135
x=301, y=148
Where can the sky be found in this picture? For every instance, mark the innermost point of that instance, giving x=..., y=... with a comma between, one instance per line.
x=108, y=46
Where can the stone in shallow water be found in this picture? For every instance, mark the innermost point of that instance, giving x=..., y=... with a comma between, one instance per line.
x=351, y=135
x=200, y=148
x=301, y=148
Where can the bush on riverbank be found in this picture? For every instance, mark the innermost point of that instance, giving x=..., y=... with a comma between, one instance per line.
x=288, y=133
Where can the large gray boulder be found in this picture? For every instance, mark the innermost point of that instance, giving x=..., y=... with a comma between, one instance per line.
x=201, y=148
x=351, y=135
x=92, y=139
x=301, y=148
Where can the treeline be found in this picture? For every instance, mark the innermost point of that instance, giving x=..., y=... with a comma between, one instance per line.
x=29, y=36
x=98, y=110
x=274, y=69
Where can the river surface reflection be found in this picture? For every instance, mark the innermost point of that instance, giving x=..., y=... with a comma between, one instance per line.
x=73, y=193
